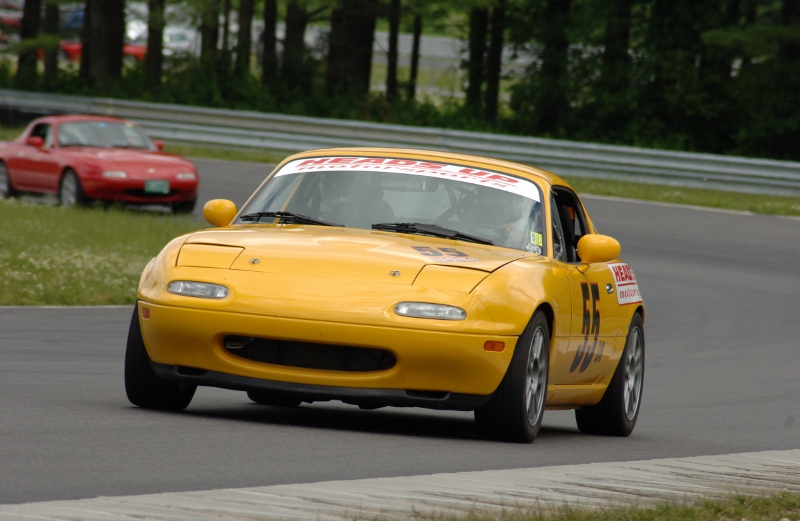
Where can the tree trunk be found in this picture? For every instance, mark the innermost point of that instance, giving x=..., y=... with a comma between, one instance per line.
x=394, y=30
x=52, y=30
x=86, y=41
x=294, y=43
x=350, y=47
x=154, y=60
x=30, y=25
x=244, y=39
x=495, y=60
x=107, y=36
x=476, y=66
x=550, y=112
x=790, y=15
x=225, y=55
x=269, y=59
x=412, y=78
x=209, y=32
x=616, y=40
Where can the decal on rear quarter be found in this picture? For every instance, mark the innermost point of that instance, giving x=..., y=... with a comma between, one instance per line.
x=627, y=287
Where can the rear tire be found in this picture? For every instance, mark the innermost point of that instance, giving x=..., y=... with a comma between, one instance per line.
x=70, y=191
x=515, y=411
x=142, y=386
x=6, y=188
x=268, y=398
x=618, y=410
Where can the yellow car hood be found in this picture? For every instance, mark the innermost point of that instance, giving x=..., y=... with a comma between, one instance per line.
x=341, y=253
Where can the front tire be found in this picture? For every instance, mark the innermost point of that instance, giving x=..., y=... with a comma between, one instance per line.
x=515, y=411
x=70, y=191
x=142, y=386
x=6, y=188
x=618, y=410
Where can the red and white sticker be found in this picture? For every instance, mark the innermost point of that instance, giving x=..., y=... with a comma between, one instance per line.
x=474, y=176
x=627, y=287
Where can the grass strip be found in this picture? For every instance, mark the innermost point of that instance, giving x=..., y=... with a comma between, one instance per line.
x=783, y=506
x=756, y=203
x=74, y=256
x=254, y=155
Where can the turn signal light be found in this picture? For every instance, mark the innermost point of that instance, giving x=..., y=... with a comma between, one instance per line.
x=493, y=345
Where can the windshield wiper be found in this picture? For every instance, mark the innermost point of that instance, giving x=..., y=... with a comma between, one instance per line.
x=287, y=217
x=430, y=229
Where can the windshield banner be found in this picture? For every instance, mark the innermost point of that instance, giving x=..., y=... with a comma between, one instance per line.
x=461, y=173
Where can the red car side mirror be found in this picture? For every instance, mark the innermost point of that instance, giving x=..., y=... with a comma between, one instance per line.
x=35, y=141
x=159, y=145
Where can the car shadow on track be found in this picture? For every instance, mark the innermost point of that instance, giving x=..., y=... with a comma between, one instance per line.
x=389, y=420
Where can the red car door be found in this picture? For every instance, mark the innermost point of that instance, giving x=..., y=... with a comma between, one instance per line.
x=39, y=166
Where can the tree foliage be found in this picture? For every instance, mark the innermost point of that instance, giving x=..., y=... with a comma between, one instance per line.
x=719, y=76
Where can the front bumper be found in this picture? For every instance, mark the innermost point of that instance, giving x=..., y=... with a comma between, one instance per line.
x=364, y=398
x=132, y=191
x=429, y=364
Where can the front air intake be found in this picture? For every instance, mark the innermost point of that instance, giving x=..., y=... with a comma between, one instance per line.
x=309, y=355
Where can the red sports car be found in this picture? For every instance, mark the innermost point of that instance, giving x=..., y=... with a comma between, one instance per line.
x=86, y=158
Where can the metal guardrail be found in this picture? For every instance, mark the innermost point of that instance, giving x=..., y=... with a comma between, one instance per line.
x=294, y=133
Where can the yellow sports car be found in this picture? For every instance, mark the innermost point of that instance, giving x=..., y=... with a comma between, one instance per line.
x=395, y=277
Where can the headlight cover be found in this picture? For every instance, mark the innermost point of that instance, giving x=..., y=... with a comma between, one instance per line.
x=427, y=310
x=189, y=288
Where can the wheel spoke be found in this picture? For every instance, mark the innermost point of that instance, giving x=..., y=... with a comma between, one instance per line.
x=632, y=387
x=68, y=191
x=5, y=183
x=535, y=377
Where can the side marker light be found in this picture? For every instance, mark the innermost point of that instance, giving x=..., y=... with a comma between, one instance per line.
x=494, y=346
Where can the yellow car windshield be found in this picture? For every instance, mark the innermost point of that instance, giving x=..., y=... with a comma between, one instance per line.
x=494, y=207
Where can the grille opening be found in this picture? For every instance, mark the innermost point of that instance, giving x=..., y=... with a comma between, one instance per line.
x=237, y=342
x=309, y=355
x=139, y=192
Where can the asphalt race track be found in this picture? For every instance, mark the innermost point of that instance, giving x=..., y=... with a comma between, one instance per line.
x=722, y=293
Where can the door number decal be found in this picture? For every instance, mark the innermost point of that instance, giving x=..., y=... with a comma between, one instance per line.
x=591, y=326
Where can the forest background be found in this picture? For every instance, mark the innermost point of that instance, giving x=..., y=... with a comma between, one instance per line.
x=716, y=76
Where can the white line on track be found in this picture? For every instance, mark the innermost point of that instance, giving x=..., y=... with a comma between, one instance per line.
x=643, y=483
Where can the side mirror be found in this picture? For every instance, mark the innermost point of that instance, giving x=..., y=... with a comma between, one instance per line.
x=219, y=212
x=35, y=141
x=598, y=248
x=159, y=145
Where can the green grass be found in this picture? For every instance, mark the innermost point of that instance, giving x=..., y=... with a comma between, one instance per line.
x=756, y=203
x=227, y=154
x=764, y=204
x=738, y=508
x=56, y=256
x=63, y=256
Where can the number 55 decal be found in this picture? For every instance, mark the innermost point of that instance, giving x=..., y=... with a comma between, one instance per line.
x=591, y=326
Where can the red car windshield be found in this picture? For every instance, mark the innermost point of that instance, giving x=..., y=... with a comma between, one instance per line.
x=102, y=134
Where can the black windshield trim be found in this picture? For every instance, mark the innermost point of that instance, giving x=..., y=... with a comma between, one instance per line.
x=289, y=218
x=431, y=229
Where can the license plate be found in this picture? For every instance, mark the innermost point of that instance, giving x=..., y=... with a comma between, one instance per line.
x=154, y=186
